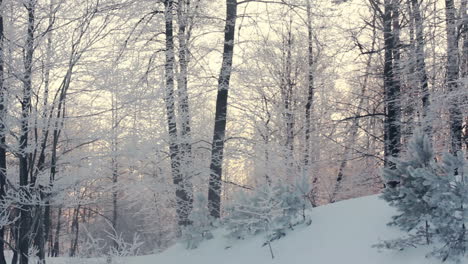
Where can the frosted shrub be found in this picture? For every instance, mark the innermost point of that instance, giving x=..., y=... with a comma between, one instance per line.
x=201, y=223
x=270, y=209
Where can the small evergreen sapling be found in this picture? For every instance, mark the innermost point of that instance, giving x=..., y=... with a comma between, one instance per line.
x=431, y=200
x=448, y=197
x=409, y=196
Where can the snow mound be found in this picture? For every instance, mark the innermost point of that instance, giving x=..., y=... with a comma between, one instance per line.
x=342, y=232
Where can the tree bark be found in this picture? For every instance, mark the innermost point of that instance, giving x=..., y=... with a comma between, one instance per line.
x=287, y=94
x=56, y=246
x=392, y=121
x=455, y=114
x=24, y=225
x=115, y=167
x=184, y=110
x=182, y=196
x=421, y=67
x=310, y=97
x=2, y=134
x=217, y=148
x=76, y=228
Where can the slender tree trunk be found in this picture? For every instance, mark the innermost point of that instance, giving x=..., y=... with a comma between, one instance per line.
x=455, y=114
x=75, y=229
x=391, y=88
x=56, y=246
x=412, y=84
x=287, y=97
x=217, y=148
x=184, y=109
x=310, y=98
x=2, y=135
x=38, y=233
x=23, y=245
x=115, y=168
x=182, y=196
x=421, y=67
x=464, y=63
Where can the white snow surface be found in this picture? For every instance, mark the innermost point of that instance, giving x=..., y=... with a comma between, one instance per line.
x=340, y=233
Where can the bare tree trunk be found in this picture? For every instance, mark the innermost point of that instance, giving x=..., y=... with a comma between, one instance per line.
x=23, y=245
x=421, y=67
x=464, y=63
x=455, y=114
x=38, y=230
x=391, y=86
x=310, y=98
x=182, y=197
x=184, y=110
x=75, y=229
x=217, y=148
x=114, y=166
x=287, y=94
x=56, y=246
x=2, y=135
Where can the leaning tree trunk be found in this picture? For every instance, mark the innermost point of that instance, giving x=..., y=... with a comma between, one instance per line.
x=182, y=197
x=355, y=123
x=217, y=148
x=455, y=115
x=2, y=136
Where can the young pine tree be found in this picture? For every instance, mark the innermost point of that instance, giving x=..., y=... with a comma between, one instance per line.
x=430, y=198
x=448, y=197
x=409, y=195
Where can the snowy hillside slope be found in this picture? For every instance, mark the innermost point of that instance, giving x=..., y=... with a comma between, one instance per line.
x=340, y=233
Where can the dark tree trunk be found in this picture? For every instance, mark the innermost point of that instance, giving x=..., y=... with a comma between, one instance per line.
x=76, y=229
x=392, y=124
x=217, y=148
x=455, y=115
x=24, y=226
x=2, y=136
x=310, y=98
x=38, y=231
x=56, y=246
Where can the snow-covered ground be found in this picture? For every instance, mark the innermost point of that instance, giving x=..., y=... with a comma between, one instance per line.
x=340, y=233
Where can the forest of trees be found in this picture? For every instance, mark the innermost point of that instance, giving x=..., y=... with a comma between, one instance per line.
x=127, y=124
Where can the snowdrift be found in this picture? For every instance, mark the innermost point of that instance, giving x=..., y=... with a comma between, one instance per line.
x=340, y=233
